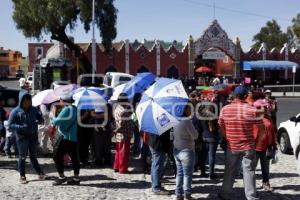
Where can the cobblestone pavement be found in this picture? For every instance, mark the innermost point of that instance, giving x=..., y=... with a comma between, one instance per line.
x=106, y=184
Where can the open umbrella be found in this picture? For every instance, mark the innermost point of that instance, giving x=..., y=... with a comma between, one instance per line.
x=117, y=91
x=203, y=69
x=89, y=98
x=137, y=85
x=161, y=106
x=65, y=89
x=44, y=97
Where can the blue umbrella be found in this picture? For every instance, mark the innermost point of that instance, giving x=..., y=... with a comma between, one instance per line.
x=161, y=106
x=138, y=84
x=90, y=98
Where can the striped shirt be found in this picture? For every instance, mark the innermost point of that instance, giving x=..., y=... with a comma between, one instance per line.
x=238, y=120
x=123, y=123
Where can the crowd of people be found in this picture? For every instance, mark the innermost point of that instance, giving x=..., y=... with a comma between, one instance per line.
x=244, y=127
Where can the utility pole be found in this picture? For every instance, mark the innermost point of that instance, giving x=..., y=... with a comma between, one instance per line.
x=264, y=52
x=214, y=10
x=93, y=46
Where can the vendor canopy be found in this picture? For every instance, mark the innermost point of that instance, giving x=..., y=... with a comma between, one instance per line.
x=268, y=65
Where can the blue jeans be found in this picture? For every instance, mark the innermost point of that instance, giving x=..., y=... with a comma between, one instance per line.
x=265, y=165
x=185, y=166
x=231, y=165
x=157, y=168
x=210, y=149
x=25, y=145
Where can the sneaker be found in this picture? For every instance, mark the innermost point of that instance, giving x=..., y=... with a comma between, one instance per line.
x=161, y=192
x=188, y=198
x=125, y=172
x=212, y=176
x=164, y=180
x=8, y=155
x=74, y=181
x=195, y=169
x=42, y=177
x=203, y=175
x=267, y=187
x=179, y=198
x=59, y=181
x=223, y=197
x=23, y=180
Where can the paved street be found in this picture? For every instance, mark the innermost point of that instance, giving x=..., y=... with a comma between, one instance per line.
x=105, y=184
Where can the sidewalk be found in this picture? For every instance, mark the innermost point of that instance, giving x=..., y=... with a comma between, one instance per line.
x=287, y=94
x=104, y=183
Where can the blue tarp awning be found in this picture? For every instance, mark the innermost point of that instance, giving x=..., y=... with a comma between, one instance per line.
x=268, y=65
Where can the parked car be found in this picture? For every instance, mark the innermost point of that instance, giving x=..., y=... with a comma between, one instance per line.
x=288, y=136
x=113, y=79
x=11, y=96
x=19, y=73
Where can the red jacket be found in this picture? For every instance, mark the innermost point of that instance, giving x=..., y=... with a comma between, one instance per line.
x=268, y=139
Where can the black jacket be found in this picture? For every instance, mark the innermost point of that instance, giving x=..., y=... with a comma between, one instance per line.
x=160, y=143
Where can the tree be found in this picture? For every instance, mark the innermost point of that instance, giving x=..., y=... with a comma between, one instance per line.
x=36, y=18
x=294, y=32
x=271, y=35
x=296, y=26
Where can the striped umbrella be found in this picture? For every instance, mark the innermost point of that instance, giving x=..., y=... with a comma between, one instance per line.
x=90, y=98
x=161, y=106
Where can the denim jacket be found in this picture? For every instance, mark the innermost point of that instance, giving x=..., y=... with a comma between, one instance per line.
x=24, y=123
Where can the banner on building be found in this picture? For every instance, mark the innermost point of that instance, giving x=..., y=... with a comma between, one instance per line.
x=213, y=55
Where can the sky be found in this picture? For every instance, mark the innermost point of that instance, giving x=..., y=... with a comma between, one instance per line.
x=171, y=20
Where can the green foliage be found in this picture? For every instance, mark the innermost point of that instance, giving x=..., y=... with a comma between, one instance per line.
x=38, y=17
x=25, y=64
x=271, y=35
x=296, y=26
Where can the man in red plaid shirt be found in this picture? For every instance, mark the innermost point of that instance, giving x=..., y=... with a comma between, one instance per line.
x=236, y=122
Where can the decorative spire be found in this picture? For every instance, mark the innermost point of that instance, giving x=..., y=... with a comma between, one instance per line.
x=190, y=39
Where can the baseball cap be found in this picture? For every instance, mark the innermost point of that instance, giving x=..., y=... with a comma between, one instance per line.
x=268, y=91
x=240, y=91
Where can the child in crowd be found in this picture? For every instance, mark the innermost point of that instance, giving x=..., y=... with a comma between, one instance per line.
x=10, y=141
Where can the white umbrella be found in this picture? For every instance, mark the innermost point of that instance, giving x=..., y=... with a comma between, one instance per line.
x=117, y=91
x=65, y=90
x=161, y=106
x=44, y=97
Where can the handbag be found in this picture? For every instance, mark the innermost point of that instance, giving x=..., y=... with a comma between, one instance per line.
x=51, y=131
x=57, y=140
x=59, y=137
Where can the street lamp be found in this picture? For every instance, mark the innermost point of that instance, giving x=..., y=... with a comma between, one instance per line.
x=93, y=45
x=294, y=72
x=264, y=58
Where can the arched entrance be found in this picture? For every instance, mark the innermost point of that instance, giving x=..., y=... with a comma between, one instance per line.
x=216, y=50
x=111, y=68
x=142, y=69
x=217, y=60
x=173, y=72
